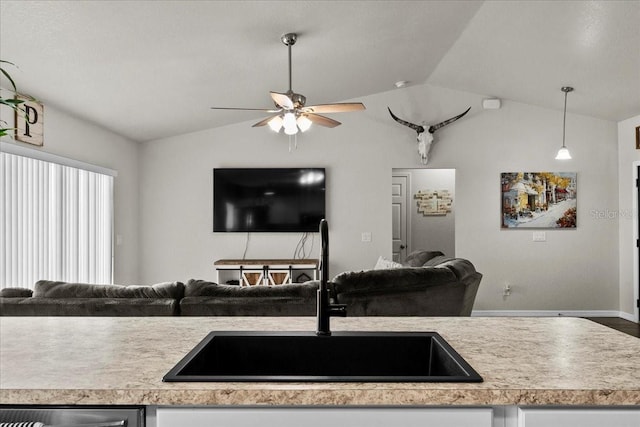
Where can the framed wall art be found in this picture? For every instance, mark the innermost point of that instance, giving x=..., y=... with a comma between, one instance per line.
x=539, y=200
x=30, y=121
x=432, y=202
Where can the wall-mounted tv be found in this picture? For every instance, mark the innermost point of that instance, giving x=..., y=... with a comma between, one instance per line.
x=268, y=199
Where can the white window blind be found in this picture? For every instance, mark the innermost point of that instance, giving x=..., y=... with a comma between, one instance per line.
x=56, y=222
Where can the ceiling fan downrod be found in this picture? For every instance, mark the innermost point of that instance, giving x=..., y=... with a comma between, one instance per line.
x=289, y=40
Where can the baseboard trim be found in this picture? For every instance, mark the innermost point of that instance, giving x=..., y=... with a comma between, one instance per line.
x=552, y=313
x=628, y=316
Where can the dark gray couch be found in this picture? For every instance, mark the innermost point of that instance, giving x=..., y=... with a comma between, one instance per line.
x=428, y=284
x=202, y=298
x=81, y=299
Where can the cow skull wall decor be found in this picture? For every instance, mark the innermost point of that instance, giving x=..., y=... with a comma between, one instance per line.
x=425, y=139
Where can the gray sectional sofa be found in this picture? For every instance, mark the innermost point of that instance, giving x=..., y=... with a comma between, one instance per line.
x=439, y=286
x=51, y=298
x=427, y=284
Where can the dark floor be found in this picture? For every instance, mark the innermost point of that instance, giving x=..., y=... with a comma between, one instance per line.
x=619, y=324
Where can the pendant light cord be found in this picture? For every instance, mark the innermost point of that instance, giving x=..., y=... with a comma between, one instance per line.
x=566, y=90
x=564, y=118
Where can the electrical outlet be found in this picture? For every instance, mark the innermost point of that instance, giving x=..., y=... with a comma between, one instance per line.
x=539, y=236
x=366, y=236
x=507, y=290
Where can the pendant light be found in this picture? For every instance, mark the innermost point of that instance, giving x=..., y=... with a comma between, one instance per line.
x=563, y=152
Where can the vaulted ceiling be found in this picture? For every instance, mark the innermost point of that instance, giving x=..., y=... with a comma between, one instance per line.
x=148, y=69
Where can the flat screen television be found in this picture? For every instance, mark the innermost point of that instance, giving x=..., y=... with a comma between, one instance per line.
x=268, y=199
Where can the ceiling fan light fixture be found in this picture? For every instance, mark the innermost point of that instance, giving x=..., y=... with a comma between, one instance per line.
x=275, y=124
x=289, y=123
x=303, y=123
x=291, y=114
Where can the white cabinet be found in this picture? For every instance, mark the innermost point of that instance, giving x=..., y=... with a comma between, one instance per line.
x=579, y=417
x=323, y=417
x=499, y=416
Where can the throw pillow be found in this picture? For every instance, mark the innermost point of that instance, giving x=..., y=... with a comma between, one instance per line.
x=385, y=264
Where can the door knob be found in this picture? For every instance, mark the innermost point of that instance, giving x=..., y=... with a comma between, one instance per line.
x=402, y=246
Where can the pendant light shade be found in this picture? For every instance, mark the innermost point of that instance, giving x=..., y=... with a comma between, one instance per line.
x=563, y=152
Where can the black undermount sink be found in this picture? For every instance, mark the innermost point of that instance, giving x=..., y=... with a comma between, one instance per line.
x=307, y=357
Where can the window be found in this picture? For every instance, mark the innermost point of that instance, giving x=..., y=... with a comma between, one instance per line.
x=56, y=219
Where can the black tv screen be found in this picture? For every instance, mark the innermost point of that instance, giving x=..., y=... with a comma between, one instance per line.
x=268, y=199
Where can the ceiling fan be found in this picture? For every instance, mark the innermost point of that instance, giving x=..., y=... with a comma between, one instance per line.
x=291, y=114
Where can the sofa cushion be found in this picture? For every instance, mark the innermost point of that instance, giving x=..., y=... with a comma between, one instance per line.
x=202, y=288
x=392, y=280
x=203, y=298
x=462, y=268
x=437, y=260
x=419, y=257
x=232, y=306
x=15, y=293
x=52, y=289
x=37, y=306
x=408, y=291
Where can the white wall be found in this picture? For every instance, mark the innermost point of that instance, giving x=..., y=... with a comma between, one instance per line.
x=627, y=212
x=572, y=270
x=74, y=138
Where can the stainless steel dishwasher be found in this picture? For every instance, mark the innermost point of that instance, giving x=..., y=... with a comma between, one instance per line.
x=73, y=416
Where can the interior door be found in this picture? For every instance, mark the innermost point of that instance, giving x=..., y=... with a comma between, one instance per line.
x=638, y=243
x=400, y=233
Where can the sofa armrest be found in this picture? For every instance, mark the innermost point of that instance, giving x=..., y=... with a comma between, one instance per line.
x=443, y=287
x=15, y=293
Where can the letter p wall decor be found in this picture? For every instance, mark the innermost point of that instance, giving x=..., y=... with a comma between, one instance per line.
x=30, y=121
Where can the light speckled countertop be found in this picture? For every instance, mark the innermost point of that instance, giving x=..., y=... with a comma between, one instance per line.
x=524, y=361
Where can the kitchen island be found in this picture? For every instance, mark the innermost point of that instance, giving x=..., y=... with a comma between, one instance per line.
x=121, y=361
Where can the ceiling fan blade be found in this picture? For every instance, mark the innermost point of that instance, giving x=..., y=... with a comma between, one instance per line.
x=322, y=120
x=264, y=121
x=266, y=110
x=334, y=108
x=282, y=100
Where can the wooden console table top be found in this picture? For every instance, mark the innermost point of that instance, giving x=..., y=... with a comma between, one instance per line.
x=266, y=262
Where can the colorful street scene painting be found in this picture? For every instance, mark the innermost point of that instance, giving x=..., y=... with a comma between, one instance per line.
x=538, y=199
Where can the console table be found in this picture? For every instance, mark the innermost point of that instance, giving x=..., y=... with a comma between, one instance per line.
x=250, y=272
